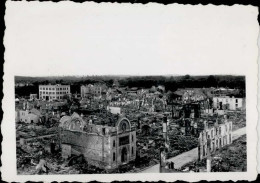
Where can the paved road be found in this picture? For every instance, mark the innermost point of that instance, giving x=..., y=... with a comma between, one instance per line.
x=238, y=133
x=189, y=156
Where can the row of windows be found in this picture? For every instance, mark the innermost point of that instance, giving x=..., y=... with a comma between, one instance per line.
x=218, y=130
x=226, y=100
x=25, y=120
x=43, y=88
x=53, y=97
x=64, y=92
x=114, y=142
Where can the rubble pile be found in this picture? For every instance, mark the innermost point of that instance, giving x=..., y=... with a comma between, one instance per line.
x=30, y=153
x=238, y=119
x=186, y=111
x=32, y=130
x=182, y=143
x=230, y=158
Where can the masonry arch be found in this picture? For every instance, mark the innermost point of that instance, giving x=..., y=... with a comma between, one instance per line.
x=123, y=125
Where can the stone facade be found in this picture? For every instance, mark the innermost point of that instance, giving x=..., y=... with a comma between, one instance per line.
x=52, y=92
x=92, y=90
x=228, y=103
x=102, y=146
x=216, y=137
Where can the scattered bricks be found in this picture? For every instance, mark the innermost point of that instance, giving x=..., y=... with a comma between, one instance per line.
x=41, y=167
x=22, y=141
x=47, y=148
x=52, y=148
x=65, y=151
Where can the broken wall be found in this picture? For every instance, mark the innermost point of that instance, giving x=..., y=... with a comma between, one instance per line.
x=214, y=138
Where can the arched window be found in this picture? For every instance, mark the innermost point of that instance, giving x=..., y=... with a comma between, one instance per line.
x=124, y=125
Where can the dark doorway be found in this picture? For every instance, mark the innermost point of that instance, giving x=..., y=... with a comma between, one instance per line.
x=47, y=97
x=124, y=155
x=220, y=105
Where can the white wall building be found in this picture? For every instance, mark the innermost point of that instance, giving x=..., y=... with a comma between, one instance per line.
x=27, y=116
x=51, y=92
x=228, y=103
x=216, y=137
x=114, y=110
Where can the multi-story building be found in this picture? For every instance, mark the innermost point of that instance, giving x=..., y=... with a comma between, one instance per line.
x=103, y=145
x=213, y=138
x=228, y=103
x=92, y=90
x=51, y=92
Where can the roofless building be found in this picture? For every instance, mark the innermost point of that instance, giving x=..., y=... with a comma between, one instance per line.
x=106, y=146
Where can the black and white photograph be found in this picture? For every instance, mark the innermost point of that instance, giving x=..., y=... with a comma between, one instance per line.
x=145, y=124
x=137, y=92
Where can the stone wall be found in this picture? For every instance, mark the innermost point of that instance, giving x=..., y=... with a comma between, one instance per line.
x=211, y=139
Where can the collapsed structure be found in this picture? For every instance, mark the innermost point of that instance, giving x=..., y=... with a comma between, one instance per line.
x=92, y=90
x=107, y=139
x=106, y=146
x=214, y=137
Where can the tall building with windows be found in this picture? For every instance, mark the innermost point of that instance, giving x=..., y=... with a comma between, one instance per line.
x=52, y=92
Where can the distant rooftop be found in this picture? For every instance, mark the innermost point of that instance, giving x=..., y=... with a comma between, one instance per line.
x=54, y=85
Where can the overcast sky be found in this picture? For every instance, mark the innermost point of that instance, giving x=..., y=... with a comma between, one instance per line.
x=44, y=39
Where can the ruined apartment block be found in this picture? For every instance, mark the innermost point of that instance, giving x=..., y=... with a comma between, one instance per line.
x=103, y=145
x=213, y=138
x=92, y=90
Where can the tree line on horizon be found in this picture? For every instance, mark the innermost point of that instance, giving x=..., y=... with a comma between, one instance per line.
x=171, y=83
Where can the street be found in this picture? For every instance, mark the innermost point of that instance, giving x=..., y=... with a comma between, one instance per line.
x=189, y=156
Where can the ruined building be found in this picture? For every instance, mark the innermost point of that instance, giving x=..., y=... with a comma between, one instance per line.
x=103, y=145
x=92, y=90
x=214, y=137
